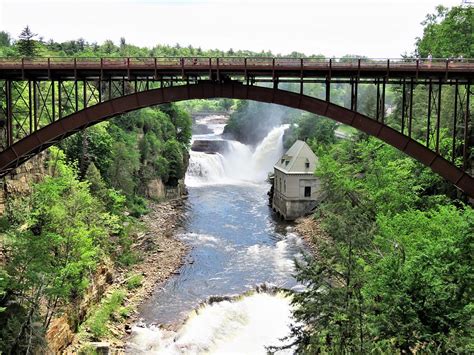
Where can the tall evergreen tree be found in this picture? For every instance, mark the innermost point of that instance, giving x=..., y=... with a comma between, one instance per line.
x=27, y=46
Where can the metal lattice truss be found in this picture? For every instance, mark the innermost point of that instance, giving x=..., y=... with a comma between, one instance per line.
x=39, y=100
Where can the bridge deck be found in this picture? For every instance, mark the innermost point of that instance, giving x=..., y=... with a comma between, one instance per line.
x=79, y=68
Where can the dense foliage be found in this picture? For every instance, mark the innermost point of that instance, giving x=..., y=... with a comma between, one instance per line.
x=76, y=218
x=394, y=272
x=448, y=33
x=134, y=149
x=55, y=238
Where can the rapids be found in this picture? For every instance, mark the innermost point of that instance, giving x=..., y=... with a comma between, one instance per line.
x=236, y=245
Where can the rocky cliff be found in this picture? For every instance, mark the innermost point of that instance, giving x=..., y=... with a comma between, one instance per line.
x=21, y=180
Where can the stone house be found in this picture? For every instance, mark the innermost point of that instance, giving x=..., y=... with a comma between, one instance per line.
x=295, y=188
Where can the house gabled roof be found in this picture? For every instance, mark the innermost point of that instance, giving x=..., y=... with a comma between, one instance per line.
x=297, y=159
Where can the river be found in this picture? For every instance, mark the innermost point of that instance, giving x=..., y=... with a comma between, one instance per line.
x=216, y=303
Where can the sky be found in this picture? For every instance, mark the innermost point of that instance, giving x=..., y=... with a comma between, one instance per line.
x=374, y=28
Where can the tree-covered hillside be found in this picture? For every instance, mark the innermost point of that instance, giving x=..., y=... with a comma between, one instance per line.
x=394, y=272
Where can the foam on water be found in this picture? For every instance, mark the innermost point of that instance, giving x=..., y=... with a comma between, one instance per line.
x=281, y=255
x=244, y=326
x=238, y=164
x=234, y=247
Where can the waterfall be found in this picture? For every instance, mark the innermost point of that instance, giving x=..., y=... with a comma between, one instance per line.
x=205, y=168
x=248, y=323
x=238, y=163
x=237, y=160
x=268, y=152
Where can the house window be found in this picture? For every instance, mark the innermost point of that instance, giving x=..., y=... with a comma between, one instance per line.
x=307, y=191
x=284, y=185
x=306, y=165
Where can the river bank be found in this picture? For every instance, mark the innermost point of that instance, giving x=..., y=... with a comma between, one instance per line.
x=310, y=230
x=237, y=247
x=161, y=256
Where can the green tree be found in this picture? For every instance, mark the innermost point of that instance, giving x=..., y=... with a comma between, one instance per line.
x=93, y=145
x=173, y=154
x=124, y=168
x=27, y=46
x=315, y=127
x=420, y=286
x=394, y=274
x=112, y=199
x=54, y=244
x=5, y=39
x=448, y=33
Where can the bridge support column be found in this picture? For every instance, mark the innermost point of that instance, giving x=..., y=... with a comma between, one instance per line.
x=354, y=93
x=328, y=89
x=455, y=119
x=467, y=134
x=438, y=116
x=428, y=123
x=9, y=106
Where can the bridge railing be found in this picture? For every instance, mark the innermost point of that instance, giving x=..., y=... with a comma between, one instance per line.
x=124, y=63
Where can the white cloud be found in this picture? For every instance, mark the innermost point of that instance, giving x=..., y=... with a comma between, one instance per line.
x=383, y=28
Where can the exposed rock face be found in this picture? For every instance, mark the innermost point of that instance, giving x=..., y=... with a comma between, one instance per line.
x=210, y=146
x=19, y=183
x=309, y=228
x=173, y=192
x=156, y=190
x=59, y=334
x=201, y=129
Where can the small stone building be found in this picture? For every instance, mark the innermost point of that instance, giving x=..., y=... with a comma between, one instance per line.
x=295, y=188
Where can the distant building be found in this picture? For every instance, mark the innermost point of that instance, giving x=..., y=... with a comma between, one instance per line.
x=295, y=188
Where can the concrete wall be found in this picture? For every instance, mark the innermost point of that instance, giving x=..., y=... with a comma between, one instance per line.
x=288, y=195
x=292, y=209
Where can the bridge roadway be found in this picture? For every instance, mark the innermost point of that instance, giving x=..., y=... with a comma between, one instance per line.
x=44, y=100
x=281, y=69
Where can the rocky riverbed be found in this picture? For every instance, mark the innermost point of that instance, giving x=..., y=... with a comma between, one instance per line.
x=161, y=254
x=309, y=228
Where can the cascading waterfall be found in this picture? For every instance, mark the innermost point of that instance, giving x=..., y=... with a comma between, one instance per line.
x=223, y=327
x=235, y=248
x=268, y=152
x=238, y=164
x=205, y=168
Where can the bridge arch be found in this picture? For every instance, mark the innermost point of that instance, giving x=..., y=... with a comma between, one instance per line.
x=39, y=140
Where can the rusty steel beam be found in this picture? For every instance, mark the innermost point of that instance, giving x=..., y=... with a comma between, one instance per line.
x=455, y=118
x=24, y=68
x=438, y=117
x=27, y=147
x=428, y=123
x=467, y=119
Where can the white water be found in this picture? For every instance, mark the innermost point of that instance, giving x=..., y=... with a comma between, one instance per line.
x=268, y=152
x=243, y=326
x=237, y=165
x=234, y=250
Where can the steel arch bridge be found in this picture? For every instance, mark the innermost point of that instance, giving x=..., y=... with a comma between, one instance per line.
x=45, y=100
